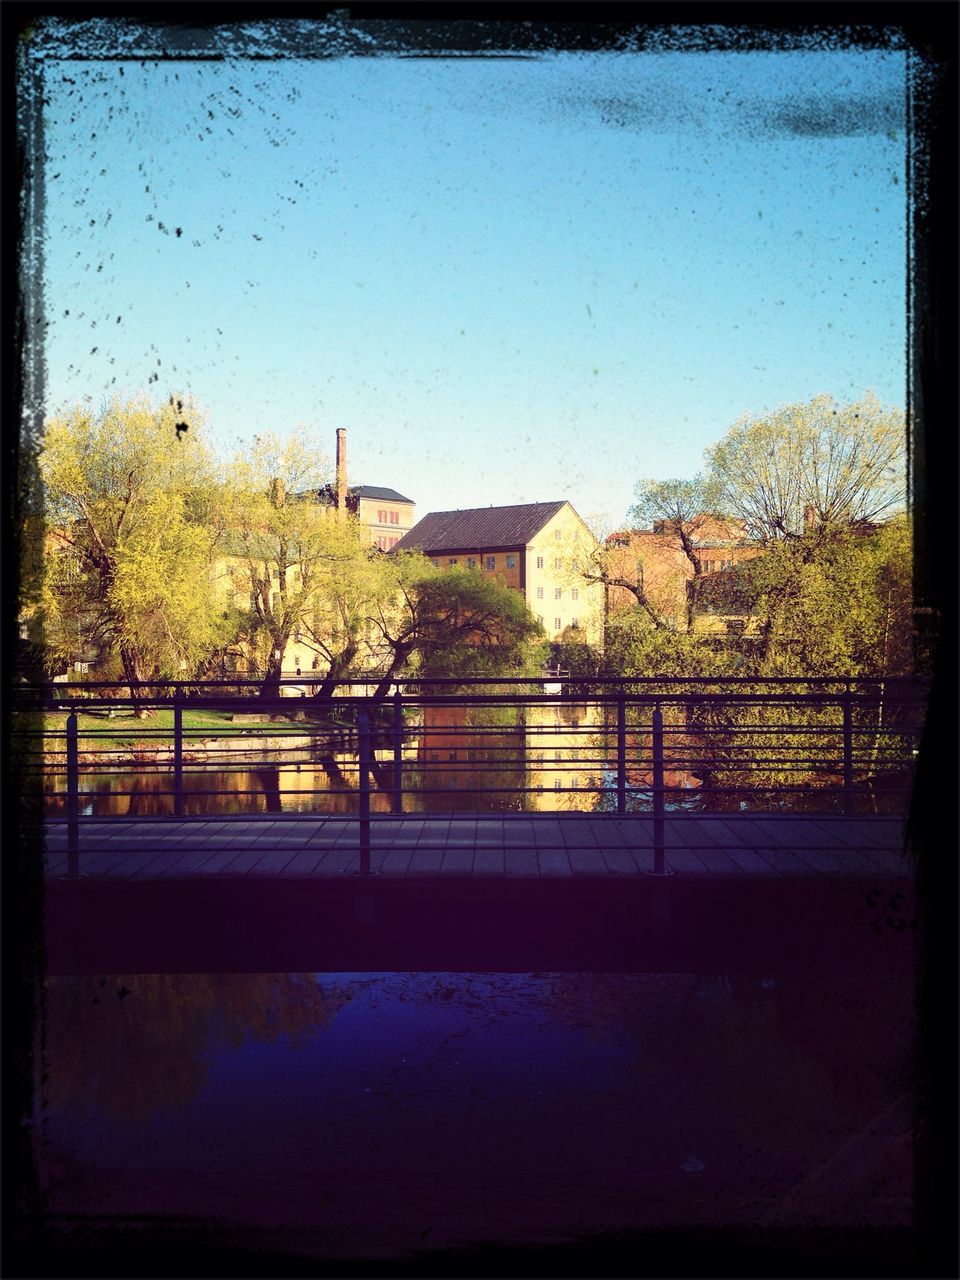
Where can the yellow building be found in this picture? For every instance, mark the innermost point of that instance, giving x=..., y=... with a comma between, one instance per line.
x=534, y=548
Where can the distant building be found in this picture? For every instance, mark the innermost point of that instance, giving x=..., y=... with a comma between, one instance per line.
x=384, y=514
x=534, y=548
x=655, y=559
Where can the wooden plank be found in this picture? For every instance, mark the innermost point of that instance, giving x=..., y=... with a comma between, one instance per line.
x=717, y=861
x=393, y=861
x=426, y=860
x=489, y=862
x=684, y=860
x=457, y=861
x=553, y=862
x=303, y=862
x=586, y=862
x=517, y=832
x=785, y=861
x=489, y=835
x=273, y=860
x=620, y=862
x=750, y=862
x=337, y=859
x=520, y=863
x=433, y=836
x=632, y=833
x=792, y=833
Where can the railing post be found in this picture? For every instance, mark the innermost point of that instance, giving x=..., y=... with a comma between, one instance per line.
x=363, y=724
x=847, y=701
x=73, y=798
x=658, y=841
x=178, y=752
x=622, y=751
x=397, y=800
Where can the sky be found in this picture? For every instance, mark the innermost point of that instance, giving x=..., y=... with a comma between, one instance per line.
x=511, y=280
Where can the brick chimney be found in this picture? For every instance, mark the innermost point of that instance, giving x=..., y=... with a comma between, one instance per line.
x=341, y=491
x=809, y=518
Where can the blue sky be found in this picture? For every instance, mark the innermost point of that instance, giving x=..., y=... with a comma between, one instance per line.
x=511, y=280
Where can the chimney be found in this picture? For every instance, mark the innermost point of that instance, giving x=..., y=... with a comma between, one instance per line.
x=341, y=500
x=809, y=518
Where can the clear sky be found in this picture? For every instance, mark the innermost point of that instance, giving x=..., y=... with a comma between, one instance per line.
x=511, y=280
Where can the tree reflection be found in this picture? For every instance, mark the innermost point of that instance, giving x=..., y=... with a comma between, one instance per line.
x=128, y=1045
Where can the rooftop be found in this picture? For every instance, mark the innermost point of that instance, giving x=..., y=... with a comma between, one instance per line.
x=479, y=528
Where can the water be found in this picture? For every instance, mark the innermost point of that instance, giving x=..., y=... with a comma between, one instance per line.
x=368, y=1115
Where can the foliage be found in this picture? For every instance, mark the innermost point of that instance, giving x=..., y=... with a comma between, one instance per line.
x=820, y=463
x=833, y=605
x=635, y=647
x=127, y=570
x=286, y=549
x=456, y=622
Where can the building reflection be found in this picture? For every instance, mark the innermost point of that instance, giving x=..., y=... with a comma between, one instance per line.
x=537, y=758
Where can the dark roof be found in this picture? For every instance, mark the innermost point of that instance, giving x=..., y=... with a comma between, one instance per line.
x=478, y=528
x=328, y=493
x=375, y=491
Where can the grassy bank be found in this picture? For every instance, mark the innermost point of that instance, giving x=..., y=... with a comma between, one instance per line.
x=157, y=729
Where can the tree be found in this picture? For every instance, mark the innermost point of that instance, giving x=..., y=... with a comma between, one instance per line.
x=674, y=508
x=455, y=622
x=282, y=542
x=838, y=605
x=130, y=501
x=818, y=466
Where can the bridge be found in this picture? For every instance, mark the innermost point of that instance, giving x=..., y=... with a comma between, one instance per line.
x=789, y=845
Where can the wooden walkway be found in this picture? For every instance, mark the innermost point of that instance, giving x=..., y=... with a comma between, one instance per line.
x=499, y=846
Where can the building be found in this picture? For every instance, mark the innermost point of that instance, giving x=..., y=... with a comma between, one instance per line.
x=655, y=559
x=535, y=548
x=383, y=514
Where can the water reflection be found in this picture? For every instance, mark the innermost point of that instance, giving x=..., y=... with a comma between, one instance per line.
x=517, y=1107
x=554, y=758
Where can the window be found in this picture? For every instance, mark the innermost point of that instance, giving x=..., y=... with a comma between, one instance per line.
x=558, y=563
x=575, y=624
x=575, y=593
x=540, y=618
x=491, y=562
x=558, y=784
x=558, y=593
x=556, y=624
x=539, y=562
x=510, y=562
x=394, y=517
x=471, y=562
x=539, y=593
x=393, y=542
x=435, y=563
x=296, y=636
x=558, y=534
x=453, y=561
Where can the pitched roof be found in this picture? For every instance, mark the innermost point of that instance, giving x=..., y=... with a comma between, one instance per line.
x=375, y=491
x=479, y=528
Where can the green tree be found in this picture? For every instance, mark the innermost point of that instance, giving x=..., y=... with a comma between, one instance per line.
x=456, y=622
x=281, y=542
x=131, y=507
x=819, y=466
x=672, y=507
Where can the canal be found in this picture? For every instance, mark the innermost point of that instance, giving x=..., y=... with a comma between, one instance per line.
x=390, y=1116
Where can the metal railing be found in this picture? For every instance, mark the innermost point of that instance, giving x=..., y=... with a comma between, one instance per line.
x=653, y=746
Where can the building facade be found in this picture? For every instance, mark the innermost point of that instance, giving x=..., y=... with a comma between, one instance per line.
x=534, y=548
x=655, y=559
